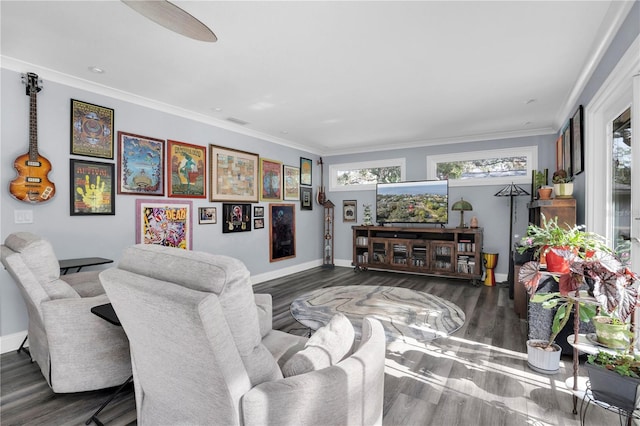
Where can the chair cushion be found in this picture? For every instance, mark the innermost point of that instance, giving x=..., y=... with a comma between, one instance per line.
x=328, y=346
x=39, y=257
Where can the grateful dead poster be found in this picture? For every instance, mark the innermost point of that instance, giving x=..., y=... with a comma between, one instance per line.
x=162, y=223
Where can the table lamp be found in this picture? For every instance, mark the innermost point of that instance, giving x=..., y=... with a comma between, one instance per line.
x=461, y=206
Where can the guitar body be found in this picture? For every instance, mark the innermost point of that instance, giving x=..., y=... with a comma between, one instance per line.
x=32, y=183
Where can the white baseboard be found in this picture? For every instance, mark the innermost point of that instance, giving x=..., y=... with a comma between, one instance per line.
x=11, y=342
x=256, y=279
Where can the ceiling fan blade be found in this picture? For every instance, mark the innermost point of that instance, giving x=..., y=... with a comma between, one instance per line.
x=173, y=18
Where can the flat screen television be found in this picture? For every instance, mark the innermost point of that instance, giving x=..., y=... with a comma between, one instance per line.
x=424, y=201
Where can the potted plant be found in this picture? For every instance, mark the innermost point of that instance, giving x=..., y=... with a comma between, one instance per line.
x=614, y=378
x=592, y=265
x=612, y=332
x=550, y=235
x=562, y=184
x=540, y=180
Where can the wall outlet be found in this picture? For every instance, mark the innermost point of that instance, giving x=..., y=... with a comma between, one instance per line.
x=23, y=216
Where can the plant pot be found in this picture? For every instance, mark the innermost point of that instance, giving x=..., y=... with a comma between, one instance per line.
x=563, y=190
x=615, y=336
x=544, y=193
x=541, y=360
x=555, y=262
x=612, y=388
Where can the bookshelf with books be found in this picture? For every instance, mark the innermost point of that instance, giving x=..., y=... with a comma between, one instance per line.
x=453, y=252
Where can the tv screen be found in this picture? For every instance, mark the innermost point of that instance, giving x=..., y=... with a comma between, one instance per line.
x=424, y=201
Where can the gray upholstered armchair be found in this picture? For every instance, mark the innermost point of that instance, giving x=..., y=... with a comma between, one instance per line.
x=203, y=350
x=75, y=350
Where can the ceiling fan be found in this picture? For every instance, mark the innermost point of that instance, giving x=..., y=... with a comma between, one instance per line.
x=173, y=18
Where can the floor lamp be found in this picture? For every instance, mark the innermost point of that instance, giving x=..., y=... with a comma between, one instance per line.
x=511, y=190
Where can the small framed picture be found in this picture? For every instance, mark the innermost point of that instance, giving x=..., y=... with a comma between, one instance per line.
x=91, y=130
x=207, y=215
x=258, y=211
x=306, y=168
x=306, y=198
x=236, y=217
x=577, y=142
x=291, y=183
x=258, y=223
x=349, y=213
x=92, y=188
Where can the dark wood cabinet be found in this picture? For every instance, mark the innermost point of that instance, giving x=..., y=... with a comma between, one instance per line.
x=453, y=252
x=563, y=208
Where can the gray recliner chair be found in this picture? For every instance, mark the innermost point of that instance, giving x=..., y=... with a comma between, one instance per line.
x=75, y=350
x=203, y=350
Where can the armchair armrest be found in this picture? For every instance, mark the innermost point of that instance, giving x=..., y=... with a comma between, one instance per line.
x=264, y=303
x=350, y=392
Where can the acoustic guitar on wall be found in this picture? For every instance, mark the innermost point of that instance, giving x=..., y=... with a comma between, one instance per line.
x=32, y=184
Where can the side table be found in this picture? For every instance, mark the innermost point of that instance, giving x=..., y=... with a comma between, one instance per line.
x=107, y=313
x=81, y=262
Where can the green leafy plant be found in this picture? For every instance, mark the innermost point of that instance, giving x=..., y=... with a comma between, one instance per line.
x=622, y=363
x=561, y=176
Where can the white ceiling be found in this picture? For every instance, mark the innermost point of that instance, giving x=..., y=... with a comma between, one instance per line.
x=333, y=76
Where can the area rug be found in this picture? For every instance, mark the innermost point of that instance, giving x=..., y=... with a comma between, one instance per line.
x=406, y=314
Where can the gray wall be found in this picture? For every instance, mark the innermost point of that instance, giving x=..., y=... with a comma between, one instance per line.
x=492, y=212
x=107, y=236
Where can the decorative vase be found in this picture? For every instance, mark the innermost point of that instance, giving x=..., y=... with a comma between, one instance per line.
x=474, y=222
x=544, y=193
x=614, y=336
x=613, y=388
x=542, y=360
x=563, y=190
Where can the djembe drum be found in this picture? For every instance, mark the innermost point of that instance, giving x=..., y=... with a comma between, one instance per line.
x=490, y=262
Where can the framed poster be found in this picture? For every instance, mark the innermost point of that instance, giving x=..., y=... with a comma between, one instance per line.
x=164, y=223
x=566, y=148
x=233, y=175
x=141, y=165
x=282, y=232
x=258, y=211
x=187, y=170
x=577, y=142
x=91, y=130
x=306, y=198
x=559, y=154
x=349, y=211
x=207, y=215
x=92, y=188
x=270, y=180
x=236, y=218
x=306, y=175
x=291, y=183
x=258, y=223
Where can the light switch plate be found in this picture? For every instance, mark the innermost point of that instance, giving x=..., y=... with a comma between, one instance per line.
x=23, y=216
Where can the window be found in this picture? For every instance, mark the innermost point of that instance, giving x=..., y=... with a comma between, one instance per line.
x=365, y=175
x=491, y=167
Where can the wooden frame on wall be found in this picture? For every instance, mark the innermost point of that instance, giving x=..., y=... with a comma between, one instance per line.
x=306, y=198
x=91, y=130
x=141, y=165
x=270, y=180
x=349, y=211
x=233, y=175
x=187, y=171
x=282, y=232
x=207, y=215
x=566, y=148
x=92, y=188
x=165, y=223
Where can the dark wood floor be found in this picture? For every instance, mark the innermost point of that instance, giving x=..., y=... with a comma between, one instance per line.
x=477, y=376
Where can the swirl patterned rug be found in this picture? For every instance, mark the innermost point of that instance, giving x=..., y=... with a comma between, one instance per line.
x=406, y=314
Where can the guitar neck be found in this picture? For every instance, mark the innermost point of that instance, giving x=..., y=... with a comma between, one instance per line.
x=33, y=125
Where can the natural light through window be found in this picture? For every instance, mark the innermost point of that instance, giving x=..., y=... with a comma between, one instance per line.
x=491, y=167
x=365, y=175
